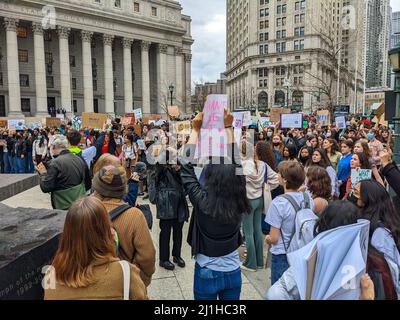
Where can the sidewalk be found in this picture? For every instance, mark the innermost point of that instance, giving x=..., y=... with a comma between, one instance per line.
x=166, y=285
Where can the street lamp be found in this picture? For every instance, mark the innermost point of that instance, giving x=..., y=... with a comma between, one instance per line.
x=171, y=91
x=394, y=56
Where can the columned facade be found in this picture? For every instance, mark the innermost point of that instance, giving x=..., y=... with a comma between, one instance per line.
x=66, y=67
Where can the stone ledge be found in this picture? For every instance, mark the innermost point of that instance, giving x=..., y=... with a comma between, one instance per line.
x=12, y=184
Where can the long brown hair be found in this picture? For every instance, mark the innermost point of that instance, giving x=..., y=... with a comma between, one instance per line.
x=265, y=153
x=86, y=240
x=246, y=149
x=366, y=150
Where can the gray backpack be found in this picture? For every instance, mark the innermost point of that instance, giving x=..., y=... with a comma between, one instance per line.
x=304, y=224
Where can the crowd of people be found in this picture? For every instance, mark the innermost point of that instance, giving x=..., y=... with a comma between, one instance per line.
x=98, y=176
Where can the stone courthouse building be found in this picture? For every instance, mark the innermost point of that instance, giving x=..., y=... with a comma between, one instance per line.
x=107, y=56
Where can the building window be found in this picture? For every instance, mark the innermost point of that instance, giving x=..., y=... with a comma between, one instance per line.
x=71, y=39
x=24, y=80
x=136, y=7
x=1, y=78
x=48, y=57
x=50, y=82
x=26, y=105
x=299, y=31
x=72, y=61
x=298, y=45
x=154, y=11
x=73, y=83
x=113, y=65
x=75, y=104
x=94, y=85
x=22, y=32
x=261, y=24
x=261, y=36
x=261, y=49
x=47, y=35
x=117, y=3
x=281, y=47
x=23, y=55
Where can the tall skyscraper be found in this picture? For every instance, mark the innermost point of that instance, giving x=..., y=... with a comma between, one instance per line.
x=395, y=36
x=377, y=43
x=292, y=53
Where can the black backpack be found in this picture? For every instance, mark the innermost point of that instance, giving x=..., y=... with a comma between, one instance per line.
x=145, y=209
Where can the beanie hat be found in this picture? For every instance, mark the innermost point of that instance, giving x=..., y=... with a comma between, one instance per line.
x=111, y=182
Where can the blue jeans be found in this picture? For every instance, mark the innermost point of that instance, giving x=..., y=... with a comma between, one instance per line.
x=279, y=265
x=6, y=163
x=19, y=165
x=29, y=166
x=213, y=285
x=11, y=161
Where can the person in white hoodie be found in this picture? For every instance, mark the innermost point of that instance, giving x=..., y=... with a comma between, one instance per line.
x=39, y=149
x=254, y=170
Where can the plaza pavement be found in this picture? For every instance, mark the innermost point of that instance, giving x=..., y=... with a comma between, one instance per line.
x=166, y=285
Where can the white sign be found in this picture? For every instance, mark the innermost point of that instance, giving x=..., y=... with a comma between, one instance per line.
x=341, y=122
x=247, y=120
x=293, y=120
x=237, y=119
x=138, y=114
x=18, y=124
x=358, y=175
x=60, y=116
x=141, y=144
x=214, y=111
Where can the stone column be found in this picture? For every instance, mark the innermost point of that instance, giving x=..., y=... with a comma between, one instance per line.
x=188, y=86
x=65, y=71
x=14, y=92
x=108, y=74
x=271, y=86
x=40, y=70
x=87, y=70
x=179, y=77
x=128, y=93
x=163, y=85
x=145, y=46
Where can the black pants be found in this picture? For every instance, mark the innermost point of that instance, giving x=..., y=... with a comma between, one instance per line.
x=165, y=235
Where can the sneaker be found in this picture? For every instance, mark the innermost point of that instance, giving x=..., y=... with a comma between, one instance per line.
x=243, y=267
x=261, y=267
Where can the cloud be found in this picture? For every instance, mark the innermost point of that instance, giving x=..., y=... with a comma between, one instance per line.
x=209, y=33
x=395, y=5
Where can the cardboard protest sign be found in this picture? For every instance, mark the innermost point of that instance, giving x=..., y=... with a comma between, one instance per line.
x=53, y=122
x=324, y=118
x=127, y=121
x=214, y=111
x=138, y=113
x=341, y=122
x=16, y=124
x=358, y=175
x=138, y=129
x=237, y=119
x=145, y=120
x=293, y=120
x=173, y=111
x=182, y=127
x=382, y=120
x=3, y=124
x=275, y=114
x=94, y=120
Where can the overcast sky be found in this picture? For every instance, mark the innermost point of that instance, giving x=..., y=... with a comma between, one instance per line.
x=209, y=33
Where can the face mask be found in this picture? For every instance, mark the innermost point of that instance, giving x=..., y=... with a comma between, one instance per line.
x=304, y=159
x=370, y=136
x=39, y=137
x=328, y=135
x=269, y=134
x=353, y=200
x=276, y=144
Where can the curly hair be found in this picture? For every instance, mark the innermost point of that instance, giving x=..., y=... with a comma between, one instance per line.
x=319, y=182
x=265, y=153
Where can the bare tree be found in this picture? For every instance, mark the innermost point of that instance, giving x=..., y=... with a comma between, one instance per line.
x=199, y=95
x=165, y=98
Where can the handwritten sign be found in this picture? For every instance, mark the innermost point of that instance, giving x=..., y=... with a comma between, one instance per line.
x=141, y=144
x=60, y=116
x=275, y=114
x=16, y=124
x=138, y=129
x=237, y=119
x=3, y=124
x=341, y=122
x=53, y=122
x=182, y=127
x=34, y=125
x=324, y=118
x=214, y=111
x=138, y=113
x=358, y=175
x=93, y=120
x=264, y=122
x=293, y=120
x=212, y=143
x=173, y=111
x=76, y=122
x=247, y=119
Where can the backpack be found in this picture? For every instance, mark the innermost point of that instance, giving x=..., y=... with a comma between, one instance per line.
x=145, y=209
x=304, y=224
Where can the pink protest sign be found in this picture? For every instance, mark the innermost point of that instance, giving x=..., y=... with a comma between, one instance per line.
x=214, y=111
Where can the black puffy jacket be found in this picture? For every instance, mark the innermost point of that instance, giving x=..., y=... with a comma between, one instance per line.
x=166, y=192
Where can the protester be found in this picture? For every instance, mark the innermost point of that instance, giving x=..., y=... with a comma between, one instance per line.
x=344, y=166
x=318, y=183
x=361, y=146
x=19, y=154
x=106, y=144
x=375, y=145
x=39, y=149
x=331, y=148
x=136, y=245
x=304, y=155
x=86, y=265
x=64, y=176
x=390, y=170
x=129, y=154
x=278, y=149
x=290, y=153
x=281, y=215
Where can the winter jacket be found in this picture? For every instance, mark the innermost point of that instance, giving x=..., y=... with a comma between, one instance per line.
x=112, y=146
x=167, y=194
x=63, y=173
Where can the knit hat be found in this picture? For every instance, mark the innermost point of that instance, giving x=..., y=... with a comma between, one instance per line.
x=111, y=182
